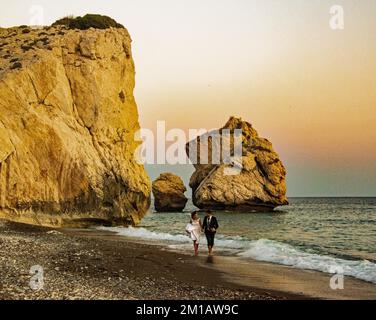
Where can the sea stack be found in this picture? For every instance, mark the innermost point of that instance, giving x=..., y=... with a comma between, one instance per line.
x=168, y=191
x=67, y=123
x=254, y=182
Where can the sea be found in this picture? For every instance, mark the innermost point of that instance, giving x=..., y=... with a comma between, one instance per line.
x=324, y=234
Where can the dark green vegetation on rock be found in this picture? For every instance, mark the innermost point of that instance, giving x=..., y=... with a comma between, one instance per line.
x=88, y=21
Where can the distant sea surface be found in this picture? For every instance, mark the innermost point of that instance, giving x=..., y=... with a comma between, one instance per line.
x=324, y=234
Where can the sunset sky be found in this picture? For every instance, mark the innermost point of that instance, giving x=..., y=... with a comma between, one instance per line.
x=277, y=64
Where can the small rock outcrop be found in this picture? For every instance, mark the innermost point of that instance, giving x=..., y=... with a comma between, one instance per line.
x=67, y=123
x=168, y=190
x=255, y=182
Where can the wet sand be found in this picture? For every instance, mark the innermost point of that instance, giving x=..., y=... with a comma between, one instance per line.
x=87, y=264
x=296, y=281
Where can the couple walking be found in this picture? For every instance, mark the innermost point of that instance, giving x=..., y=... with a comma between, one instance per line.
x=209, y=227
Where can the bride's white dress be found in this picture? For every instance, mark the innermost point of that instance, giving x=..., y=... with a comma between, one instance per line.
x=194, y=228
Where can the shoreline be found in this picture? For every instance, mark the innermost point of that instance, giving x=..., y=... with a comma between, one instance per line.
x=309, y=283
x=90, y=264
x=260, y=276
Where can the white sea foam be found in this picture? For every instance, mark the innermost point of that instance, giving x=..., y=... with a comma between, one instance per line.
x=281, y=253
x=263, y=250
x=146, y=234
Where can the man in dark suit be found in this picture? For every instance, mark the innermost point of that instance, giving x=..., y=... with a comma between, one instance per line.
x=210, y=226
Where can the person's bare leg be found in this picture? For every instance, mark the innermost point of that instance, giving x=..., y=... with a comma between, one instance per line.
x=195, y=244
x=210, y=250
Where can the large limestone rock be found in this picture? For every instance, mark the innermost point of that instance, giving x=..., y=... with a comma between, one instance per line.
x=67, y=123
x=253, y=182
x=168, y=191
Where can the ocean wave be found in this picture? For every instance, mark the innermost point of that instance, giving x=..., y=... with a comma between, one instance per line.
x=235, y=243
x=264, y=250
x=281, y=253
x=142, y=233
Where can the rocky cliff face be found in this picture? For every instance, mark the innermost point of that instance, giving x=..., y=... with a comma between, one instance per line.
x=168, y=191
x=255, y=182
x=67, y=123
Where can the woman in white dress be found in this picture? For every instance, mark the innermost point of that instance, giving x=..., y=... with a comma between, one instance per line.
x=194, y=230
